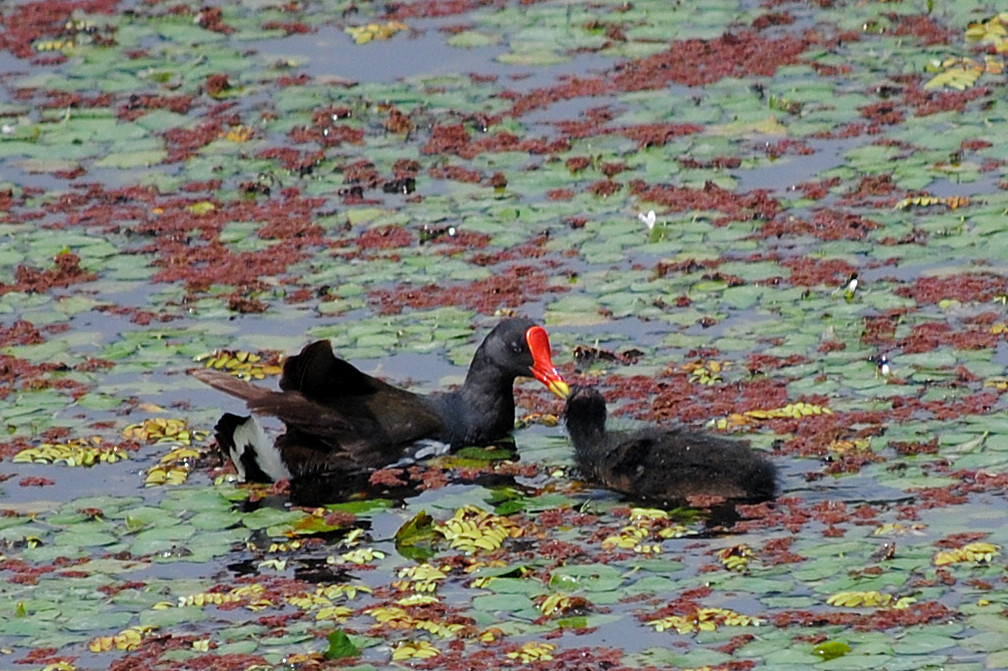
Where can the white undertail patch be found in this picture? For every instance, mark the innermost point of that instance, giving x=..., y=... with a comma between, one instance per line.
x=249, y=435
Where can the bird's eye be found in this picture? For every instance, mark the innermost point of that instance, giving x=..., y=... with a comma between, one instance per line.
x=516, y=347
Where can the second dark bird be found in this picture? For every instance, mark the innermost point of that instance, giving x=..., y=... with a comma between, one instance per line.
x=664, y=466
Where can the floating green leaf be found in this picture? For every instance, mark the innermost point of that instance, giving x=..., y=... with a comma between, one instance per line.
x=340, y=646
x=831, y=649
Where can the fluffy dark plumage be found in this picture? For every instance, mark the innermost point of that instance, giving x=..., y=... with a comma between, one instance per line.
x=665, y=466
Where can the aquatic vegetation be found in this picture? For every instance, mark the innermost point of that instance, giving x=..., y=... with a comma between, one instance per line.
x=782, y=221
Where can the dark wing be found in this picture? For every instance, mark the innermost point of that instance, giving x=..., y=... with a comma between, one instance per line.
x=382, y=415
x=291, y=407
x=319, y=374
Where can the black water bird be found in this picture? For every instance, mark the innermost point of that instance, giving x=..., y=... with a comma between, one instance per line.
x=341, y=420
x=663, y=466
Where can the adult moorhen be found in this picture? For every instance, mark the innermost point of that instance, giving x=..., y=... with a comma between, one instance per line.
x=664, y=466
x=339, y=419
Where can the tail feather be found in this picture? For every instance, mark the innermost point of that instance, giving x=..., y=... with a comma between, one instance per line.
x=290, y=406
x=230, y=384
x=308, y=416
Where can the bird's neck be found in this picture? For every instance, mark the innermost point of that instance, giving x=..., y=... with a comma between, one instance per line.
x=486, y=376
x=587, y=436
x=487, y=385
x=485, y=401
x=587, y=430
